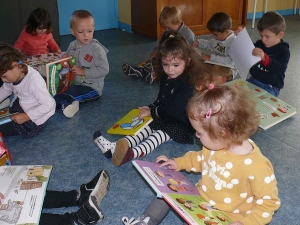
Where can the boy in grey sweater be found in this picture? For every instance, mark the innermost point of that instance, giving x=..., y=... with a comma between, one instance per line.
x=91, y=65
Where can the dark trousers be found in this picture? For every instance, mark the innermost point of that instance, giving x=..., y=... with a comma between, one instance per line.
x=57, y=199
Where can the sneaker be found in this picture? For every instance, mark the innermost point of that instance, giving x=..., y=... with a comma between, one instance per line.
x=105, y=150
x=132, y=221
x=70, y=108
x=5, y=103
x=133, y=71
x=89, y=213
x=123, y=153
x=97, y=187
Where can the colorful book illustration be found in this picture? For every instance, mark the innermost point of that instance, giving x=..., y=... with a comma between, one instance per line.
x=130, y=124
x=22, y=192
x=5, y=115
x=271, y=109
x=56, y=69
x=180, y=194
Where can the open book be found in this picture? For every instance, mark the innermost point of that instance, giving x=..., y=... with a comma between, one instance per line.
x=180, y=194
x=56, y=69
x=22, y=192
x=271, y=109
x=5, y=115
x=130, y=124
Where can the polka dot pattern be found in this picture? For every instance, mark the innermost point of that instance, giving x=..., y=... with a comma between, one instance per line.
x=248, y=161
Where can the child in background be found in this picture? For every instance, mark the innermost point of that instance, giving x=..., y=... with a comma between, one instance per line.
x=170, y=19
x=219, y=25
x=91, y=65
x=175, y=65
x=87, y=198
x=274, y=52
x=36, y=37
x=236, y=178
x=32, y=104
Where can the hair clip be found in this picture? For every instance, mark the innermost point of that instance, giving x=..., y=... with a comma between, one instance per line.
x=208, y=114
x=20, y=62
x=211, y=86
x=171, y=36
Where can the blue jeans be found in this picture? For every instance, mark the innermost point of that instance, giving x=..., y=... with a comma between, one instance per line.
x=272, y=90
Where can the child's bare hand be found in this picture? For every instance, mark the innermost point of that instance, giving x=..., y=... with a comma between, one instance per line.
x=144, y=111
x=20, y=118
x=259, y=52
x=205, y=57
x=195, y=43
x=170, y=163
x=58, y=51
x=78, y=70
x=238, y=30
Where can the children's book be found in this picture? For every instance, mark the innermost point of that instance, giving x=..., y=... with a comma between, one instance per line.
x=130, y=124
x=240, y=52
x=180, y=194
x=56, y=69
x=220, y=64
x=272, y=110
x=5, y=115
x=22, y=192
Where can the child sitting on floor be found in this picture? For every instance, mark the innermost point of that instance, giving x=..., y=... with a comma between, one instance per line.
x=236, y=178
x=170, y=19
x=176, y=65
x=91, y=65
x=36, y=37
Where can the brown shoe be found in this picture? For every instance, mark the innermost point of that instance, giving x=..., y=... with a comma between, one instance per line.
x=123, y=153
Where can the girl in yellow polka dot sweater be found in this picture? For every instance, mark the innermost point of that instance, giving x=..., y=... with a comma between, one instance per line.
x=236, y=178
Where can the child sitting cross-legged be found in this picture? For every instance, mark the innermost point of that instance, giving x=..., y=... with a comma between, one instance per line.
x=236, y=178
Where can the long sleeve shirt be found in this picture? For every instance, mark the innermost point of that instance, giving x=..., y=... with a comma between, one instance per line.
x=272, y=70
x=35, y=44
x=33, y=95
x=242, y=186
x=92, y=58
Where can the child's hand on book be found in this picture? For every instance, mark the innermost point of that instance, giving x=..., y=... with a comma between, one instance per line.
x=205, y=57
x=78, y=71
x=20, y=118
x=170, y=163
x=259, y=52
x=238, y=30
x=144, y=111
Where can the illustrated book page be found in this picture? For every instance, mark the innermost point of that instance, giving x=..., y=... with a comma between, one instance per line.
x=180, y=194
x=22, y=192
x=59, y=75
x=5, y=115
x=272, y=110
x=130, y=124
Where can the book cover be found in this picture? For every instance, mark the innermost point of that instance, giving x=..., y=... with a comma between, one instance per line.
x=180, y=194
x=22, y=192
x=5, y=115
x=130, y=124
x=272, y=110
x=59, y=75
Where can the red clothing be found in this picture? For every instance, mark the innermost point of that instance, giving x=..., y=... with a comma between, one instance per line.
x=38, y=44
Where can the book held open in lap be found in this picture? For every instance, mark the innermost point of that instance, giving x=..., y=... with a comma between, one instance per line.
x=180, y=194
x=272, y=110
x=22, y=192
x=130, y=124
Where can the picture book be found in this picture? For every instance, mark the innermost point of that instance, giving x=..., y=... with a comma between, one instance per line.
x=219, y=64
x=5, y=115
x=240, y=52
x=180, y=194
x=56, y=69
x=130, y=124
x=59, y=75
x=272, y=110
x=22, y=192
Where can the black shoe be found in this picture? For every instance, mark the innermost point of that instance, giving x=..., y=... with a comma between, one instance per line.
x=99, y=185
x=89, y=213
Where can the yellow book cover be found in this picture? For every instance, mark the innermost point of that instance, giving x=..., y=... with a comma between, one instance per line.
x=130, y=124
